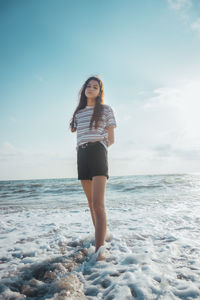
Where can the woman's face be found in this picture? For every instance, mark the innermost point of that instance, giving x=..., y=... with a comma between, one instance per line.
x=92, y=89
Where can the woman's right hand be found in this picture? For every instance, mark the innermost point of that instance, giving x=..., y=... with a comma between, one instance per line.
x=72, y=128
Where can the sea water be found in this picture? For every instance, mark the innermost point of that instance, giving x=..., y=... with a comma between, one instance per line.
x=152, y=247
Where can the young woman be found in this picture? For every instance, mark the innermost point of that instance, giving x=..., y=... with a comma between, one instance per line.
x=94, y=122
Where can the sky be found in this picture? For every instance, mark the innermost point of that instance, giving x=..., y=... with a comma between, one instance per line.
x=147, y=54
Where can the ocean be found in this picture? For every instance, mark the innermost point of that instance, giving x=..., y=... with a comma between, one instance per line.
x=152, y=246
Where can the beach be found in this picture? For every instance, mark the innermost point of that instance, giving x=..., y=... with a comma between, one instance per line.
x=152, y=247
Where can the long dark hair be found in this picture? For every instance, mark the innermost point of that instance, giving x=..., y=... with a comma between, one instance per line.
x=98, y=108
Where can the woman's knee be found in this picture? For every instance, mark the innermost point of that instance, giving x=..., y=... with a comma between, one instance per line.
x=99, y=209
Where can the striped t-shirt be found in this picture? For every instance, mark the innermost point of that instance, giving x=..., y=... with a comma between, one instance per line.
x=82, y=124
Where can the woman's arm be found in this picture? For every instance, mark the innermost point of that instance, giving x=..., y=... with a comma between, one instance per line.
x=73, y=129
x=111, y=135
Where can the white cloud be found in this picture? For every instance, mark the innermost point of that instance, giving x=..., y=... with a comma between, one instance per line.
x=18, y=163
x=196, y=26
x=180, y=4
x=41, y=78
x=182, y=7
x=179, y=110
x=162, y=134
x=9, y=151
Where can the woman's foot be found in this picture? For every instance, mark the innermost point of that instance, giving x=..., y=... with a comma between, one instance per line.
x=101, y=257
x=100, y=253
x=108, y=237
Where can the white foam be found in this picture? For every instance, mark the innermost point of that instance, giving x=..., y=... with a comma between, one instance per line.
x=151, y=251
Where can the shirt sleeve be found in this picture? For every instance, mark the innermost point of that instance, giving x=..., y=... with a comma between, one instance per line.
x=110, y=118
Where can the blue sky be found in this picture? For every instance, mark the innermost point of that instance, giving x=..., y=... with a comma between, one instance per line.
x=147, y=54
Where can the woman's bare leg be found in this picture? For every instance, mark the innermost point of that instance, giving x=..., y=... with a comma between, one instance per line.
x=87, y=187
x=98, y=192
